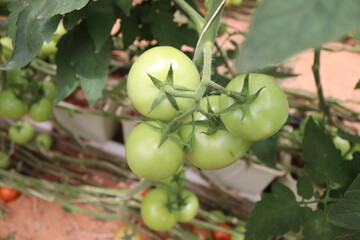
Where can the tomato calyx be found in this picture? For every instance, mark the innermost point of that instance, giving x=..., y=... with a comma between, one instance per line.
x=167, y=90
x=242, y=99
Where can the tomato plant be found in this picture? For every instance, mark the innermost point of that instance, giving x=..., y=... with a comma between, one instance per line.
x=45, y=140
x=146, y=158
x=127, y=232
x=4, y=160
x=159, y=209
x=220, y=235
x=41, y=110
x=10, y=105
x=21, y=132
x=156, y=62
x=188, y=205
x=262, y=117
x=8, y=194
x=215, y=150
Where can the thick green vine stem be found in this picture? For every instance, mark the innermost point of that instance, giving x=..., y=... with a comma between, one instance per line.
x=316, y=71
x=194, y=15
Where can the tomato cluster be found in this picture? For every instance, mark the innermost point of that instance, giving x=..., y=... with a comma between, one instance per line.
x=212, y=132
x=20, y=96
x=169, y=203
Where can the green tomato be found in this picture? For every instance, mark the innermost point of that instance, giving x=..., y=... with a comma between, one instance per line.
x=159, y=209
x=7, y=47
x=264, y=116
x=45, y=140
x=342, y=144
x=188, y=206
x=4, y=160
x=49, y=90
x=156, y=62
x=214, y=151
x=48, y=49
x=21, y=132
x=144, y=156
x=10, y=105
x=41, y=110
x=60, y=31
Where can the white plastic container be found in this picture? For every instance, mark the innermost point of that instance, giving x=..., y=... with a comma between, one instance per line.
x=252, y=179
x=88, y=125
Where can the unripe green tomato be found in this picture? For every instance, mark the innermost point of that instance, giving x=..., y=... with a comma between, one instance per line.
x=158, y=209
x=10, y=105
x=156, y=62
x=41, y=110
x=4, y=160
x=214, y=151
x=262, y=117
x=189, y=208
x=144, y=156
x=342, y=144
x=49, y=90
x=45, y=140
x=21, y=132
x=7, y=47
x=60, y=31
x=48, y=49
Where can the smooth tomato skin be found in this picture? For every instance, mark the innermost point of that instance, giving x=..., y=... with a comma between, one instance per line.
x=8, y=194
x=49, y=90
x=11, y=106
x=264, y=116
x=4, y=160
x=188, y=211
x=127, y=231
x=220, y=235
x=155, y=212
x=45, y=140
x=21, y=132
x=212, y=151
x=144, y=157
x=202, y=233
x=41, y=110
x=342, y=144
x=156, y=62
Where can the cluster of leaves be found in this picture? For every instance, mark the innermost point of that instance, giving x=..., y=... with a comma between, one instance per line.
x=335, y=214
x=84, y=55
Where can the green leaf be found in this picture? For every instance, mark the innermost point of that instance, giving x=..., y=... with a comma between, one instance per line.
x=266, y=150
x=81, y=64
x=159, y=98
x=304, y=187
x=165, y=30
x=323, y=161
x=274, y=215
x=346, y=213
x=357, y=86
x=130, y=29
x=124, y=5
x=74, y=18
x=317, y=228
x=33, y=25
x=100, y=19
x=280, y=29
